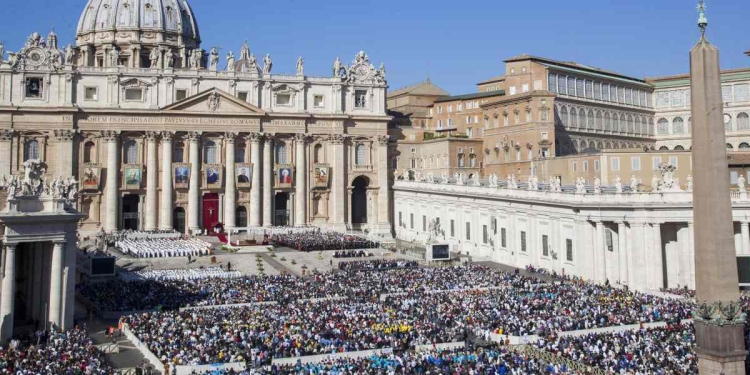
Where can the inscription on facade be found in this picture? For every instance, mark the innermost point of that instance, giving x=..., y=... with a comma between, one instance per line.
x=168, y=120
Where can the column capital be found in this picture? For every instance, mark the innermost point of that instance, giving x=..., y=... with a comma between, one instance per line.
x=230, y=137
x=58, y=242
x=6, y=134
x=110, y=135
x=338, y=139
x=254, y=137
x=301, y=138
x=166, y=136
x=194, y=136
x=383, y=140
x=64, y=135
x=268, y=138
x=152, y=136
x=10, y=246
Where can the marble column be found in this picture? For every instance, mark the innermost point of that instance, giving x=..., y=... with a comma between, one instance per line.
x=745, y=231
x=268, y=180
x=599, y=253
x=6, y=156
x=165, y=214
x=300, y=181
x=383, y=205
x=151, y=180
x=195, y=177
x=64, y=151
x=338, y=183
x=622, y=249
x=255, y=205
x=638, y=255
x=55, y=287
x=655, y=259
x=69, y=283
x=8, y=293
x=113, y=173
x=230, y=182
x=691, y=254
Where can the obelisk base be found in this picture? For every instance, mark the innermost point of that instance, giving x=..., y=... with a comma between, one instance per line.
x=721, y=349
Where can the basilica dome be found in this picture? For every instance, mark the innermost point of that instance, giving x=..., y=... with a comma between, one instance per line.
x=168, y=23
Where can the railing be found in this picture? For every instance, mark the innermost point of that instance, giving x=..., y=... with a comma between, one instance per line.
x=202, y=73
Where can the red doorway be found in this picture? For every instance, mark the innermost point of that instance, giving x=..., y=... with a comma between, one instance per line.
x=210, y=210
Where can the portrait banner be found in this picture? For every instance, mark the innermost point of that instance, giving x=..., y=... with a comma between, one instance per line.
x=132, y=176
x=321, y=175
x=90, y=177
x=181, y=176
x=213, y=175
x=244, y=173
x=284, y=175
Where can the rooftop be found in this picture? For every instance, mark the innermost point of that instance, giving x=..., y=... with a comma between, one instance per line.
x=492, y=80
x=480, y=95
x=422, y=88
x=572, y=64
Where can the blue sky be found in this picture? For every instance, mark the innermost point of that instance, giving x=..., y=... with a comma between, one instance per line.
x=456, y=44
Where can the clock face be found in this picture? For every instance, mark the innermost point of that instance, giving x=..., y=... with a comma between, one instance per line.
x=36, y=57
x=727, y=118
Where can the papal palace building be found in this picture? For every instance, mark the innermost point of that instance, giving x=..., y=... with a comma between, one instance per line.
x=163, y=134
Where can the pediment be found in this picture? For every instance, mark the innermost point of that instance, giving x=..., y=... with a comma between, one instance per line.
x=214, y=101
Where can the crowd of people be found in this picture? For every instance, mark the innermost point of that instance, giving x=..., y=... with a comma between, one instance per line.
x=378, y=264
x=351, y=254
x=163, y=247
x=201, y=273
x=320, y=240
x=53, y=352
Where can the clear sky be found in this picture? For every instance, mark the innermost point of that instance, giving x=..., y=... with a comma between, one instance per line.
x=456, y=43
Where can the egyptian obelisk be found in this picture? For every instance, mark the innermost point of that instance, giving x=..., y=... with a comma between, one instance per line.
x=719, y=329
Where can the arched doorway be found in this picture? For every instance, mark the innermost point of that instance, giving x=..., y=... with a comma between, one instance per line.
x=359, y=200
x=240, y=217
x=210, y=210
x=130, y=211
x=178, y=218
x=281, y=205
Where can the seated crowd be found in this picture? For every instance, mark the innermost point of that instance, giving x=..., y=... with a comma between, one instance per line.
x=381, y=264
x=351, y=254
x=319, y=240
x=163, y=247
x=181, y=274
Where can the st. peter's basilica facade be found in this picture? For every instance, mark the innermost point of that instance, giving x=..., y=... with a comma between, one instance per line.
x=162, y=134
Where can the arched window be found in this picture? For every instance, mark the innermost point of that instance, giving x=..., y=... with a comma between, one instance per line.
x=608, y=145
x=573, y=118
x=592, y=145
x=663, y=148
x=744, y=146
x=623, y=124
x=599, y=124
x=31, y=150
x=472, y=161
x=359, y=154
x=88, y=152
x=615, y=123
x=318, y=153
x=644, y=126
x=239, y=153
x=729, y=146
x=631, y=127
x=131, y=152
x=607, y=123
x=582, y=118
x=727, y=122
x=679, y=148
x=590, y=118
x=178, y=156
x=743, y=121
x=678, y=126
x=662, y=127
x=564, y=117
x=209, y=152
x=281, y=153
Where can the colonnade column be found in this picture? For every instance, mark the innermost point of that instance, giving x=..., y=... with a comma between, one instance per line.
x=383, y=207
x=6, y=137
x=151, y=180
x=639, y=255
x=193, y=190
x=745, y=231
x=113, y=172
x=255, y=205
x=230, y=191
x=691, y=251
x=8, y=293
x=339, y=178
x=165, y=216
x=622, y=248
x=55, y=285
x=64, y=151
x=267, y=180
x=300, y=183
x=600, y=270
x=655, y=260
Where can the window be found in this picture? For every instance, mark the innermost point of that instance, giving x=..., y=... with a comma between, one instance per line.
x=733, y=176
x=459, y=107
x=552, y=83
x=512, y=90
x=742, y=92
x=635, y=163
x=469, y=132
x=523, y=241
x=678, y=126
x=662, y=126
x=743, y=121
x=528, y=115
x=400, y=219
x=575, y=166
x=281, y=153
x=210, y=153
x=318, y=101
x=90, y=93
x=673, y=161
x=608, y=239
x=562, y=86
x=505, y=119
x=468, y=231
x=605, y=93
x=598, y=91
x=283, y=99
x=726, y=93
x=242, y=95
x=178, y=154
x=31, y=150
x=239, y=153
x=589, y=89
x=525, y=87
x=411, y=221
x=450, y=108
x=34, y=87
x=424, y=223
x=131, y=152
x=503, y=238
x=360, y=154
x=569, y=249
x=460, y=160
x=545, y=245
x=656, y=162
x=134, y=95
x=453, y=228
x=485, y=234
x=472, y=161
x=585, y=165
x=580, y=92
x=727, y=122
x=180, y=94
x=596, y=165
x=615, y=164
x=88, y=152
